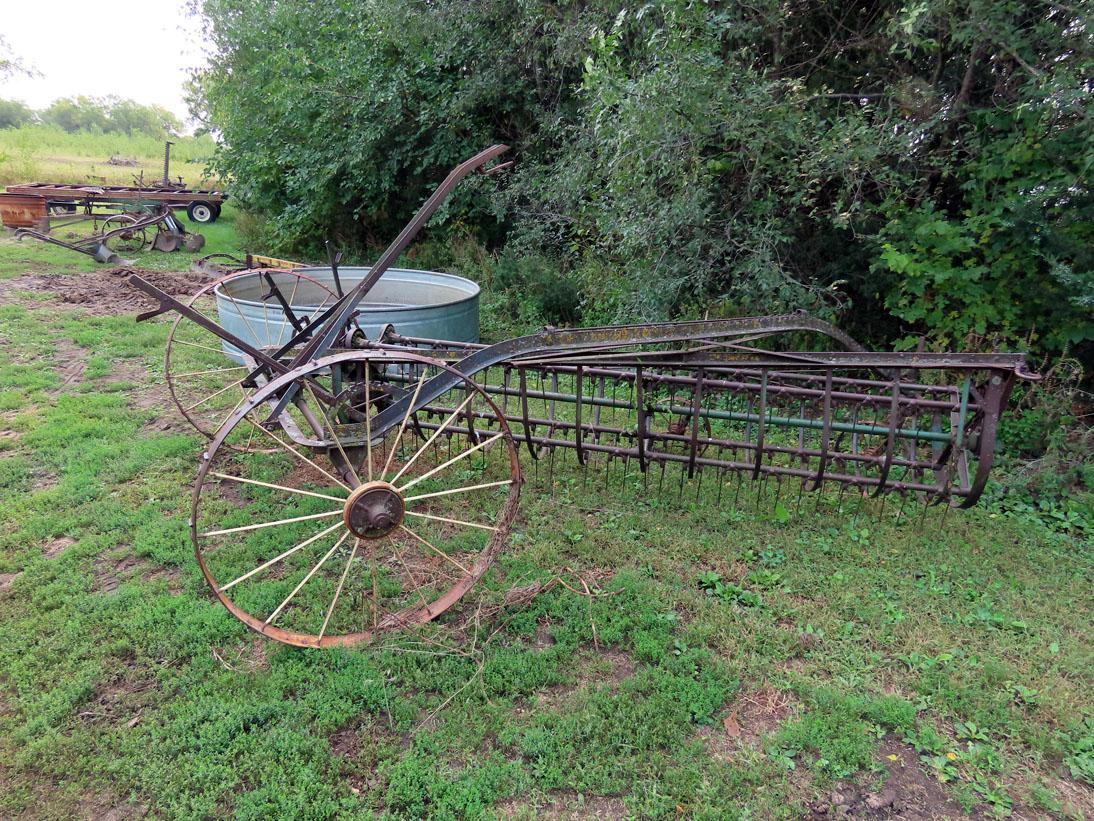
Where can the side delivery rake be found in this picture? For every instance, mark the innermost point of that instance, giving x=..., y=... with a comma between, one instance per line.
x=355, y=486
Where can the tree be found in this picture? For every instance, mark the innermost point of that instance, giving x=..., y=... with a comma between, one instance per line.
x=14, y=113
x=912, y=169
x=77, y=114
x=111, y=114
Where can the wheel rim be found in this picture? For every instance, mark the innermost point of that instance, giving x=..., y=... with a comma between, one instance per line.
x=201, y=213
x=132, y=240
x=379, y=531
x=204, y=384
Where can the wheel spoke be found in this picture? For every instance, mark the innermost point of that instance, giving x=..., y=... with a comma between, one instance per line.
x=452, y=461
x=196, y=345
x=281, y=556
x=235, y=407
x=278, y=487
x=275, y=523
x=334, y=436
x=211, y=370
x=341, y=584
x=409, y=572
x=296, y=453
x=307, y=578
x=458, y=490
x=402, y=425
x=436, y=550
x=429, y=441
x=242, y=315
x=368, y=423
x=450, y=521
x=213, y=395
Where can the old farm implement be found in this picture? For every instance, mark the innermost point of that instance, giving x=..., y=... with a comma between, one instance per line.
x=356, y=483
x=121, y=232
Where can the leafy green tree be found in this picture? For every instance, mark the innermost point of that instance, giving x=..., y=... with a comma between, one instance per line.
x=14, y=113
x=907, y=168
x=110, y=114
x=77, y=114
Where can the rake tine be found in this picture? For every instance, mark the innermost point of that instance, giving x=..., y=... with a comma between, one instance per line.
x=721, y=473
x=529, y=430
x=640, y=410
x=696, y=406
x=579, y=380
x=599, y=392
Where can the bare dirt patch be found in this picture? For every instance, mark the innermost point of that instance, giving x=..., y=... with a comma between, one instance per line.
x=909, y=793
x=592, y=672
x=565, y=804
x=6, y=579
x=172, y=576
x=44, y=480
x=119, y=702
x=1077, y=798
x=247, y=657
x=104, y=292
x=69, y=361
x=149, y=397
x=57, y=546
x=746, y=720
x=110, y=573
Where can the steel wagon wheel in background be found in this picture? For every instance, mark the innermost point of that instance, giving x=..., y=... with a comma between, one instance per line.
x=135, y=239
x=341, y=533
x=203, y=381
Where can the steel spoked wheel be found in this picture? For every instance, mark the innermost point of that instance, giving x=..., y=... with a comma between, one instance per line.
x=131, y=240
x=204, y=376
x=366, y=516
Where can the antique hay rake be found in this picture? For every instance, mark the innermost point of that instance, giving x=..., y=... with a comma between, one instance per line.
x=355, y=486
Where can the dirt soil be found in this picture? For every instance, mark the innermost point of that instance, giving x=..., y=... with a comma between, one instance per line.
x=104, y=292
x=909, y=793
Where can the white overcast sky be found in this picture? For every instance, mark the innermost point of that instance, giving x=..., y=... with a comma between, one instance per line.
x=136, y=49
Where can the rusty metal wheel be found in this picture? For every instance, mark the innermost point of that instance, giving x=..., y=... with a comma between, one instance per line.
x=129, y=241
x=203, y=378
x=343, y=532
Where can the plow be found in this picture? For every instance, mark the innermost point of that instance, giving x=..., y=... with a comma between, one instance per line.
x=120, y=232
x=357, y=483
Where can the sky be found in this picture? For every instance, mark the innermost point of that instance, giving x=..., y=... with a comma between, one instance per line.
x=136, y=49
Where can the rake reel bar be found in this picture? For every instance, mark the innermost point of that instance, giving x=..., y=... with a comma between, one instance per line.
x=351, y=487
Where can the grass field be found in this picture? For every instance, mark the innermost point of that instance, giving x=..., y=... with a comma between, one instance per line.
x=38, y=153
x=840, y=658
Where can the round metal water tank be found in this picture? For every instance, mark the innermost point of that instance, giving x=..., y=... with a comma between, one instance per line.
x=418, y=303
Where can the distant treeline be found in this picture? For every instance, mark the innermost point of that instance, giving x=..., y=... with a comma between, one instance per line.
x=106, y=115
x=905, y=168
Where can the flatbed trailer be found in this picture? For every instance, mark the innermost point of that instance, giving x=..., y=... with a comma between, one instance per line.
x=202, y=205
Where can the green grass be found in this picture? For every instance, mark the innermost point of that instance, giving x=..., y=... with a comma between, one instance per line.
x=41, y=153
x=964, y=635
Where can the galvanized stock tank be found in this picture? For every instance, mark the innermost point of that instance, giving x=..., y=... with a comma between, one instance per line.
x=418, y=303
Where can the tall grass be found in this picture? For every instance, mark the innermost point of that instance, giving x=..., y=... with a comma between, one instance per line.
x=47, y=153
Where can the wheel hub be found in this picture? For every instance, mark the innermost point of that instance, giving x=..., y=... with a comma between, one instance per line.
x=374, y=510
